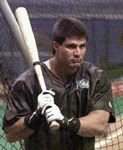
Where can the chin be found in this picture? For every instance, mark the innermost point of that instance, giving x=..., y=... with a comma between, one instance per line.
x=74, y=66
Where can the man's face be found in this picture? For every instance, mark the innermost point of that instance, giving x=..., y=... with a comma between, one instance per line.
x=71, y=52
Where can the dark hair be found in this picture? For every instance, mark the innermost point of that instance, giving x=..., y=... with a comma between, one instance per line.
x=68, y=27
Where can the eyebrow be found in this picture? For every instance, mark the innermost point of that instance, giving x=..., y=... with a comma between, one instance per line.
x=74, y=45
x=83, y=44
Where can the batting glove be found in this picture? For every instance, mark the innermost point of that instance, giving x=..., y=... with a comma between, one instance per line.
x=52, y=112
x=46, y=97
x=34, y=120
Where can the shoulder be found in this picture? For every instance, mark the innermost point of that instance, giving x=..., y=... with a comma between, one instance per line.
x=91, y=68
x=25, y=78
x=93, y=72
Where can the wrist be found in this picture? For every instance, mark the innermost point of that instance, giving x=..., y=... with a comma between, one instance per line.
x=72, y=125
x=33, y=121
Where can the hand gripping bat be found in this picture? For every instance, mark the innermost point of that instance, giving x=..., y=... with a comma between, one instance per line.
x=29, y=39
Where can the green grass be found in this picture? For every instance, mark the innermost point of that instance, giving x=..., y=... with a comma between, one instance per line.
x=118, y=105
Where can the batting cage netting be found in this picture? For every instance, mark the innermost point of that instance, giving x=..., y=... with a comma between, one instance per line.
x=104, y=20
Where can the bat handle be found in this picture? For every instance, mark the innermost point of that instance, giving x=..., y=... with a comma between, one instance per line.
x=54, y=125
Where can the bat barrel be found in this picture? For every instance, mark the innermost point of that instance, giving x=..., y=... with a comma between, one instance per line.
x=15, y=30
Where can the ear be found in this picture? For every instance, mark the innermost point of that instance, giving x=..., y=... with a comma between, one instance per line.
x=55, y=45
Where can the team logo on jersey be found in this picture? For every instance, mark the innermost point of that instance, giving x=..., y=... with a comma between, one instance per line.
x=83, y=83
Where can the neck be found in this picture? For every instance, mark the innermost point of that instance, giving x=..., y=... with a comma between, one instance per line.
x=60, y=71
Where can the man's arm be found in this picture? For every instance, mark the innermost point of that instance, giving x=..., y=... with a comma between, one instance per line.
x=94, y=124
x=17, y=131
x=25, y=126
x=91, y=125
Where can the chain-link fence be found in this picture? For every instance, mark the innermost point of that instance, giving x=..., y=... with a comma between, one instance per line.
x=104, y=20
x=4, y=145
x=113, y=140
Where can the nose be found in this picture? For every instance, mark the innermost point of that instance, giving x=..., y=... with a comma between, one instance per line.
x=77, y=52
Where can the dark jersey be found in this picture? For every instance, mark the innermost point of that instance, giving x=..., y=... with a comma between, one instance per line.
x=87, y=90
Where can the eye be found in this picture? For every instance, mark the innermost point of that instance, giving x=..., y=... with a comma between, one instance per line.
x=71, y=46
x=82, y=46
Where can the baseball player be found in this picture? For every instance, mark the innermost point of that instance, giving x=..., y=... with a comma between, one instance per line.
x=79, y=97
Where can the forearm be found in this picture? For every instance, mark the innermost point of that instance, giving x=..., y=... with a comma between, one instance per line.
x=25, y=126
x=94, y=124
x=17, y=131
x=90, y=125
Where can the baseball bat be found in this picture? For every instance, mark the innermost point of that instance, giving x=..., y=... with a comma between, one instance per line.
x=15, y=30
x=29, y=39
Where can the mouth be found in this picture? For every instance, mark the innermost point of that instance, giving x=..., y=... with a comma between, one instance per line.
x=76, y=61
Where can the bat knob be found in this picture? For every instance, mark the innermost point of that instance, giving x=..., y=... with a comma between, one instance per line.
x=54, y=126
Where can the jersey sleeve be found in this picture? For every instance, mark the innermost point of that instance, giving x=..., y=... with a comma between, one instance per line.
x=18, y=104
x=101, y=96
